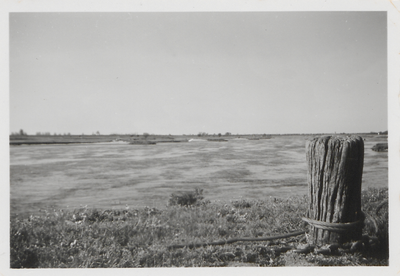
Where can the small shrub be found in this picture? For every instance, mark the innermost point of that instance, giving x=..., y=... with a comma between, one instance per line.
x=241, y=204
x=380, y=147
x=186, y=198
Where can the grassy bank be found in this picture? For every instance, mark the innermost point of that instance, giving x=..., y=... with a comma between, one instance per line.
x=88, y=238
x=16, y=140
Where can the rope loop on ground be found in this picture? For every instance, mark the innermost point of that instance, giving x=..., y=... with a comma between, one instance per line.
x=335, y=226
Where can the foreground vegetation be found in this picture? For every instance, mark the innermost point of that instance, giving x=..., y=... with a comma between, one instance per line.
x=88, y=238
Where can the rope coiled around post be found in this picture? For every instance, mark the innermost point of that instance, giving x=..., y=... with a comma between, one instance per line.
x=335, y=226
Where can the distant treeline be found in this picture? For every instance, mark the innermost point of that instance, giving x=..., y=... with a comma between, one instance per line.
x=22, y=133
x=200, y=134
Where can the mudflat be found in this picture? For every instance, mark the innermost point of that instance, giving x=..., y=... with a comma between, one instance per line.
x=109, y=175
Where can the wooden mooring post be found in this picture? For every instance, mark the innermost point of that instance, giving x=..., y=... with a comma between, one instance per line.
x=335, y=166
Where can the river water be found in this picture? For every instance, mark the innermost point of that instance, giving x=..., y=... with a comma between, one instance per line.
x=118, y=175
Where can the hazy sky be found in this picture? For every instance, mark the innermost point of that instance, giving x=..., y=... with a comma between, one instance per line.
x=185, y=73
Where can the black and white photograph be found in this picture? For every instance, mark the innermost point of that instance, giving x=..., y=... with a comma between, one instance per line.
x=233, y=138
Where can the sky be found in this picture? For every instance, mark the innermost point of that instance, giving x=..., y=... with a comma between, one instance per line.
x=191, y=72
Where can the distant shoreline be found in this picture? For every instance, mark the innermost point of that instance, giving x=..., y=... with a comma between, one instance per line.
x=18, y=140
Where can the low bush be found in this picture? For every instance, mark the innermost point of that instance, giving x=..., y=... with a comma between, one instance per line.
x=241, y=204
x=380, y=147
x=186, y=198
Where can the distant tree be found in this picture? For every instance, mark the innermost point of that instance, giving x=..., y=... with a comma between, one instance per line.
x=227, y=133
x=145, y=135
x=219, y=134
x=21, y=132
x=97, y=133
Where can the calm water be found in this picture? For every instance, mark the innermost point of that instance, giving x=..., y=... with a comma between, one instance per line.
x=113, y=176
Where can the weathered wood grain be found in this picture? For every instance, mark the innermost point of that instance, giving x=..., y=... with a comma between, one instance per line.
x=335, y=166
